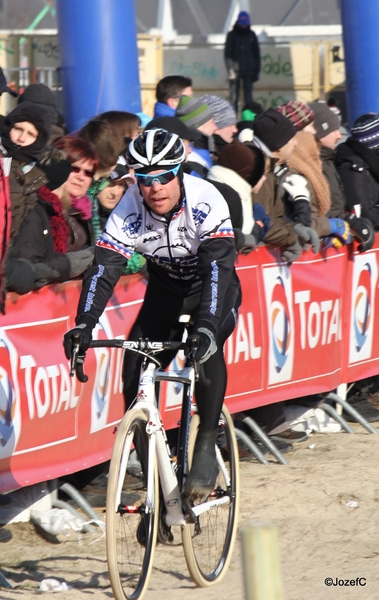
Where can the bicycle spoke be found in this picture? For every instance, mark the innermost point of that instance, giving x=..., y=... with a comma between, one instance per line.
x=132, y=510
x=208, y=542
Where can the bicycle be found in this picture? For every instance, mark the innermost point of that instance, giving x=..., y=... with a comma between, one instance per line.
x=134, y=521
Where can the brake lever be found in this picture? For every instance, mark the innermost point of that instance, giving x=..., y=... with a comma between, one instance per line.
x=74, y=356
x=194, y=347
x=76, y=367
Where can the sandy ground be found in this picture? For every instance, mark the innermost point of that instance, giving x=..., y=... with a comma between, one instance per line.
x=325, y=505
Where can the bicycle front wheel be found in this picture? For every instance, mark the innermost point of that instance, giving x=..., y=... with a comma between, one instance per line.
x=131, y=509
x=208, y=542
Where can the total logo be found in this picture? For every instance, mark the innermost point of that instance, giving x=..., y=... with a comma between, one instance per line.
x=362, y=307
x=10, y=420
x=365, y=278
x=278, y=289
x=108, y=380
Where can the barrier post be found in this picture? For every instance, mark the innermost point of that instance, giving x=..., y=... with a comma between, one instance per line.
x=360, y=30
x=261, y=562
x=98, y=57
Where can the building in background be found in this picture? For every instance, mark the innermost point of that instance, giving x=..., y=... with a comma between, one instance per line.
x=301, y=45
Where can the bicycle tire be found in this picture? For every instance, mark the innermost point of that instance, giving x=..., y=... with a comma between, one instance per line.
x=130, y=562
x=208, y=543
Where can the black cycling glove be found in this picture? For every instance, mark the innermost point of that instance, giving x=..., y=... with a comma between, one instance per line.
x=205, y=342
x=83, y=333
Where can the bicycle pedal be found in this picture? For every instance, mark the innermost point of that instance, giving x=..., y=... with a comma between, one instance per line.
x=165, y=535
x=189, y=514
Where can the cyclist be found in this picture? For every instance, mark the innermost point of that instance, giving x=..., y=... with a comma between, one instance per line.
x=181, y=224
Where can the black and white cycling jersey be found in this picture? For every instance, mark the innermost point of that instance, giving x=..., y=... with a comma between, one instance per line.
x=191, y=250
x=171, y=244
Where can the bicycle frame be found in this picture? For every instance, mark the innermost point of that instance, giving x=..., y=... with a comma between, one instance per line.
x=208, y=525
x=171, y=474
x=171, y=479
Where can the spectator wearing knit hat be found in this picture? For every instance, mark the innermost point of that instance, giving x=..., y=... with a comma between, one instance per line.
x=242, y=59
x=224, y=116
x=43, y=96
x=195, y=113
x=277, y=133
x=300, y=115
x=225, y=119
x=243, y=169
x=327, y=125
x=316, y=163
x=357, y=162
x=39, y=252
x=305, y=161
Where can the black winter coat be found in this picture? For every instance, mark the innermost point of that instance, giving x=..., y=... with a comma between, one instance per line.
x=242, y=52
x=359, y=183
x=337, y=195
x=34, y=243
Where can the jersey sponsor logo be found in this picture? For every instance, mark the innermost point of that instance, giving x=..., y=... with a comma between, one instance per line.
x=200, y=212
x=132, y=225
x=214, y=287
x=92, y=288
x=151, y=238
x=365, y=281
x=179, y=261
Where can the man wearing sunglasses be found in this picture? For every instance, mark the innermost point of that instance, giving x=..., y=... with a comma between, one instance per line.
x=181, y=224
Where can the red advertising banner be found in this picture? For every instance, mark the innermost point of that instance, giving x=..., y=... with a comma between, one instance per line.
x=301, y=330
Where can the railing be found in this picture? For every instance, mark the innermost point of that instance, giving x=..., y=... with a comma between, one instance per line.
x=301, y=330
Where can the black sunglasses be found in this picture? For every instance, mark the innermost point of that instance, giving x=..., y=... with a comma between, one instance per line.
x=86, y=172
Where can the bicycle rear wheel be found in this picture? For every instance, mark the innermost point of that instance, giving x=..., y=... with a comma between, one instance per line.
x=131, y=510
x=208, y=542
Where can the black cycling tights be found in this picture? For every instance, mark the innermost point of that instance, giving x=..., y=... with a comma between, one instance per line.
x=158, y=321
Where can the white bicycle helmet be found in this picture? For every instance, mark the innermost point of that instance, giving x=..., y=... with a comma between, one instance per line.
x=155, y=148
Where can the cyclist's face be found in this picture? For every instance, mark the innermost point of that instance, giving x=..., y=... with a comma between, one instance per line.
x=161, y=197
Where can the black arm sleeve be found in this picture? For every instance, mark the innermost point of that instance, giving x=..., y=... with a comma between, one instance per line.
x=98, y=285
x=215, y=268
x=301, y=212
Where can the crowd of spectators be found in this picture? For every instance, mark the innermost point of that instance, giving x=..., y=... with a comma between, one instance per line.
x=289, y=180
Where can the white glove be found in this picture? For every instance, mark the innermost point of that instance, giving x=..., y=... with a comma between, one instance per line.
x=297, y=187
x=308, y=237
x=232, y=74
